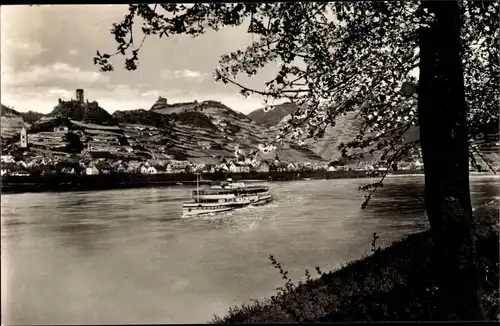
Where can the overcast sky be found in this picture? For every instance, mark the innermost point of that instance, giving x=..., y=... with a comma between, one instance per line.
x=47, y=51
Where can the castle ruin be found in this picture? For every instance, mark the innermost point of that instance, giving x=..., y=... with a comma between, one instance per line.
x=162, y=100
x=79, y=95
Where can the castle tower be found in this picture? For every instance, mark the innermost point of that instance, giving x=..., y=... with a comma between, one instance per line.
x=24, y=138
x=79, y=95
x=162, y=100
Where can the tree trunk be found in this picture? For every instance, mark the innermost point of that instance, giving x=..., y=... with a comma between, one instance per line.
x=443, y=131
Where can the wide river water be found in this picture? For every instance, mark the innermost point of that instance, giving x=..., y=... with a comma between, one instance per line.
x=126, y=256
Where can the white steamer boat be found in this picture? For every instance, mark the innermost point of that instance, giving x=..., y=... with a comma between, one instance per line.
x=225, y=197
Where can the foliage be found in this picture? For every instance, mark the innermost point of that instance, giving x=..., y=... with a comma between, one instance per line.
x=31, y=116
x=123, y=141
x=333, y=58
x=192, y=118
x=49, y=125
x=141, y=116
x=375, y=248
x=75, y=145
x=232, y=128
x=139, y=147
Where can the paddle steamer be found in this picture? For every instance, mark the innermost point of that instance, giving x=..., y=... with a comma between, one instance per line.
x=225, y=197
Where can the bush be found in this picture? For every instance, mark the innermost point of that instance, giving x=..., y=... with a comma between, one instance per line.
x=75, y=145
x=196, y=119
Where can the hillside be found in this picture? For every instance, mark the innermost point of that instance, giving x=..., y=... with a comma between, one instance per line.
x=141, y=116
x=209, y=106
x=85, y=112
x=8, y=112
x=204, y=132
x=207, y=132
x=195, y=119
x=31, y=117
x=11, y=123
x=48, y=124
x=345, y=130
x=274, y=116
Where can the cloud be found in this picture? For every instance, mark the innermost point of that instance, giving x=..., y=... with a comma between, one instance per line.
x=60, y=92
x=73, y=52
x=53, y=75
x=124, y=97
x=183, y=74
x=155, y=93
x=22, y=48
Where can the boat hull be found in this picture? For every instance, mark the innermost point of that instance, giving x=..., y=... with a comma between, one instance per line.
x=196, y=212
x=195, y=209
x=263, y=200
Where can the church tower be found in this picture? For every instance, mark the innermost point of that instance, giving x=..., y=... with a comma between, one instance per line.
x=24, y=138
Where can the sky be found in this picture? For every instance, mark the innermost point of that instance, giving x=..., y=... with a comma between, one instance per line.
x=47, y=53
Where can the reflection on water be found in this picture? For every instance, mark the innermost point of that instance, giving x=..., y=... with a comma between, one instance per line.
x=125, y=256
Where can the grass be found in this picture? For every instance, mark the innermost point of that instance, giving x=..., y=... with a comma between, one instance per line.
x=392, y=284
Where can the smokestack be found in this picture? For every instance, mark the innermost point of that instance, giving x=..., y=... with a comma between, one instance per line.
x=79, y=95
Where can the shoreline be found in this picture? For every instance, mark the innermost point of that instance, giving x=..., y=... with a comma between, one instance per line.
x=64, y=183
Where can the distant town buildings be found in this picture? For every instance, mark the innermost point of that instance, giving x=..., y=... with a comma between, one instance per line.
x=101, y=163
x=60, y=129
x=92, y=170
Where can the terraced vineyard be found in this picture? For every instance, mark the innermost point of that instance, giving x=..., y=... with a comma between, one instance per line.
x=207, y=132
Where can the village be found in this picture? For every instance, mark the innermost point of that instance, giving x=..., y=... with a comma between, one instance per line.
x=97, y=163
x=61, y=145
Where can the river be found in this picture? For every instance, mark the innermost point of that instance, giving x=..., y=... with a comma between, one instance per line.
x=125, y=256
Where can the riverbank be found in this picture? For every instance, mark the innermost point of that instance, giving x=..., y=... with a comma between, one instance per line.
x=393, y=284
x=59, y=183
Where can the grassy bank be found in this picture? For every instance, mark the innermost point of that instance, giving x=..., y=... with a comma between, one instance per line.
x=393, y=284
